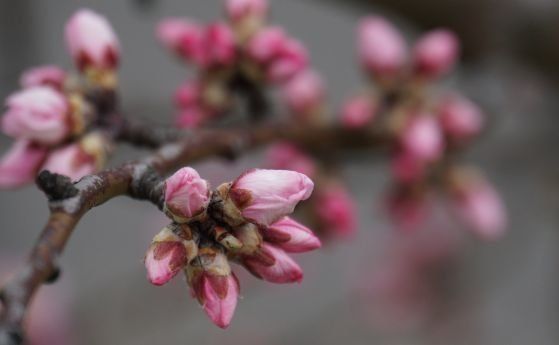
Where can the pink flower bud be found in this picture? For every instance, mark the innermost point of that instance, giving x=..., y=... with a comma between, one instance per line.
x=290, y=60
x=238, y=10
x=265, y=196
x=406, y=168
x=358, y=111
x=406, y=210
x=435, y=53
x=166, y=256
x=182, y=36
x=304, y=92
x=284, y=270
x=38, y=113
x=287, y=156
x=266, y=44
x=92, y=41
x=481, y=207
x=219, y=45
x=188, y=94
x=191, y=117
x=186, y=194
x=335, y=210
x=460, y=118
x=52, y=76
x=220, y=308
x=20, y=164
x=422, y=138
x=381, y=48
x=291, y=236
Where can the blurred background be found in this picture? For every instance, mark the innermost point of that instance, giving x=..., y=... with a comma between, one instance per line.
x=494, y=293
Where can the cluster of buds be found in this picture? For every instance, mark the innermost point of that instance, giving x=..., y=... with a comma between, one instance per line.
x=427, y=132
x=52, y=118
x=240, y=55
x=245, y=221
x=331, y=209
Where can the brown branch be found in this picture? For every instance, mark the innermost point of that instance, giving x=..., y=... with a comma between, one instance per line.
x=143, y=180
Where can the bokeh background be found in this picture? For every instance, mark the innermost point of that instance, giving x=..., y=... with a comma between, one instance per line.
x=498, y=293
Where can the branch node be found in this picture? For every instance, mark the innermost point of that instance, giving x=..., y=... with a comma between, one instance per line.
x=147, y=184
x=55, y=186
x=53, y=277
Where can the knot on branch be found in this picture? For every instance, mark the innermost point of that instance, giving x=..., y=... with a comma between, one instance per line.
x=55, y=186
x=147, y=184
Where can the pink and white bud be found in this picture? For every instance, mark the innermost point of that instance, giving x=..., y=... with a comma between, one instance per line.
x=481, y=207
x=186, y=195
x=291, y=236
x=264, y=196
x=287, y=156
x=291, y=60
x=284, y=270
x=460, y=118
x=219, y=45
x=48, y=75
x=20, y=164
x=267, y=44
x=435, y=53
x=188, y=94
x=422, y=138
x=304, y=93
x=182, y=36
x=358, y=111
x=166, y=256
x=241, y=10
x=39, y=113
x=381, y=47
x=92, y=41
x=335, y=210
x=406, y=168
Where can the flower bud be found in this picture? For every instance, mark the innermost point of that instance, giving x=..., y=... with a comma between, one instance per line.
x=304, y=93
x=284, y=269
x=290, y=60
x=408, y=210
x=335, y=210
x=91, y=41
x=291, y=236
x=358, y=111
x=287, y=156
x=47, y=75
x=381, y=48
x=169, y=253
x=20, y=164
x=219, y=45
x=214, y=285
x=422, y=138
x=188, y=94
x=39, y=114
x=407, y=169
x=247, y=16
x=182, y=36
x=435, y=53
x=266, y=44
x=264, y=196
x=186, y=195
x=460, y=118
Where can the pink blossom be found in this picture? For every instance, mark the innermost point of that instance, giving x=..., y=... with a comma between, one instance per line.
x=358, y=111
x=291, y=236
x=191, y=117
x=92, y=41
x=187, y=94
x=186, y=194
x=37, y=113
x=164, y=260
x=407, y=168
x=220, y=307
x=182, y=36
x=71, y=160
x=422, y=138
x=284, y=270
x=481, y=207
x=288, y=157
x=219, y=45
x=381, y=47
x=435, y=53
x=238, y=10
x=266, y=44
x=290, y=60
x=20, y=164
x=265, y=196
x=304, y=93
x=336, y=210
x=47, y=75
x=460, y=118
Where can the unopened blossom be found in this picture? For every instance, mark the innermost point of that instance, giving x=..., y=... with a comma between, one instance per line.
x=47, y=75
x=460, y=118
x=381, y=47
x=435, y=53
x=335, y=210
x=182, y=36
x=406, y=168
x=422, y=137
x=186, y=194
x=304, y=93
x=267, y=44
x=289, y=157
x=406, y=209
x=188, y=94
x=358, y=111
x=239, y=10
x=20, y=164
x=264, y=196
x=37, y=113
x=219, y=45
x=191, y=117
x=291, y=236
x=282, y=270
x=92, y=41
x=291, y=60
